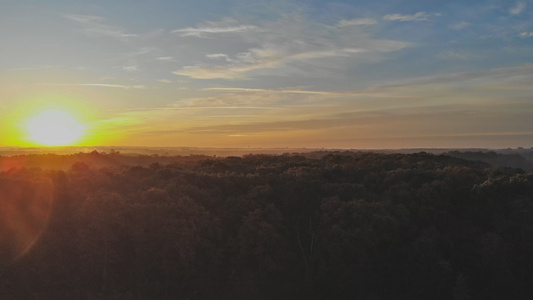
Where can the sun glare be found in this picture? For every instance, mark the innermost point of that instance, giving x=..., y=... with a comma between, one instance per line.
x=54, y=128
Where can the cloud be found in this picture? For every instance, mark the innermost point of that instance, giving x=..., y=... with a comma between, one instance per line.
x=419, y=16
x=261, y=59
x=354, y=93
x=238, y=98
x=95, y=26
x=166, y=58
x=212, y=28
x=199, y=32
x=357, y=22
x=275, y=126
x=291, y=45
x=218, y=56
x=263, y=99
x=127, y=87
x=218, y=72
x=230, y=101
x=461, y=25
x=247, y=90
x=254, y=60
x=518, y=8
x=526, y=34
x=453, y=55
x=130, y=68
x=44, y=67
x=406, y=122
x=103, y=85
x=425, y=107
x=120, y=86
x=497, y=75
x=243, y=63
x=84, y=18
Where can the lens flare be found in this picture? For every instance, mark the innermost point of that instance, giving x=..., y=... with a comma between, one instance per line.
x=25, y=209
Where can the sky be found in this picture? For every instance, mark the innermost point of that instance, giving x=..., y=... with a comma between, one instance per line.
x=235, y=73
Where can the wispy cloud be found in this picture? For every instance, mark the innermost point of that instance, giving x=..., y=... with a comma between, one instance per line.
x=357, y=22
x=219, y=72
x=453, y=55
x=44, y=67
x=256, y=59
x=518, y=8
x=252, y=100
x=240, y=69
x=355, y=123
x=518, y=73
x=291, y=43
x=218, y=56
x=526, y=34
x=106, y=85
x=276, y=126
x=166, y=58
x=132, y=68
x=199, y=32
x=96, y=26
x=419, y=16
x=460, y=26
x=213, y=28
x=84, y=19
x=291, y=91
x=429, y=107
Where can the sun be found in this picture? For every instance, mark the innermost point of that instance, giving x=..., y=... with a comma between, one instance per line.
x=54, y=128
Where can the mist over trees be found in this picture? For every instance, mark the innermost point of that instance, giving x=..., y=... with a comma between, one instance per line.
x=343, y=225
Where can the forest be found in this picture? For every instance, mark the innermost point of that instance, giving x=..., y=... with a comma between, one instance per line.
x=337, y=225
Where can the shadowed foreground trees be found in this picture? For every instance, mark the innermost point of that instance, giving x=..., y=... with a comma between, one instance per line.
x=350, y=226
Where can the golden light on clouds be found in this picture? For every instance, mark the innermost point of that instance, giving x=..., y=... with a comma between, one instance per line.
x=54, y=128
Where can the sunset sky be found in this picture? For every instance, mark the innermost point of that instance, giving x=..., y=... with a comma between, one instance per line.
x=334, y=74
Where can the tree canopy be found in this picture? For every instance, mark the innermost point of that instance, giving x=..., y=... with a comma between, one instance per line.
x=351, y=225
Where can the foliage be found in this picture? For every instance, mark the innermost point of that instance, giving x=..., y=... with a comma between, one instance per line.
x=339, y=226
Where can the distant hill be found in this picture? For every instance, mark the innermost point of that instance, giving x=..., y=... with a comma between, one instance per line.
x=520, y=158
x=512, y=160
